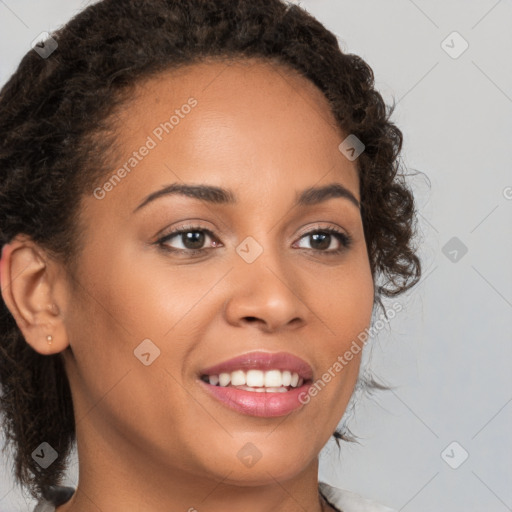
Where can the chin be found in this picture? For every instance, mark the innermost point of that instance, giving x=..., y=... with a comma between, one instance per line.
x=257, y=464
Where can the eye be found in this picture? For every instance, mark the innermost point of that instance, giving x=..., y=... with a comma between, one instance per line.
x=322, y=239
x=191, y=239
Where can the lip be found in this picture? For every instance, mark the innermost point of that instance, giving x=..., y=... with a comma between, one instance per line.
x=251, y=403
x=263, y=361
x=265, y=404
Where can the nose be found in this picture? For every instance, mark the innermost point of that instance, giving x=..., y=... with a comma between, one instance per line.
x=266, y=294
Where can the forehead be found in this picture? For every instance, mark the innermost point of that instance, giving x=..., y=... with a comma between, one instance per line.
x=215, y=79
x=250, y=123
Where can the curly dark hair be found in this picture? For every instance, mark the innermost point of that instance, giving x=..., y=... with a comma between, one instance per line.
x=56, y=133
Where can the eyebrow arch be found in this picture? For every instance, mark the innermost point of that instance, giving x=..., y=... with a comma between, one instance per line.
x=218, y=195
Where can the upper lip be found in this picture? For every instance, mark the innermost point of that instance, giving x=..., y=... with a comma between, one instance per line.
x=263, y=361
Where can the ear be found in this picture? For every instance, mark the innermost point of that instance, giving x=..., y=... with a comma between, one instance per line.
x=32, y=290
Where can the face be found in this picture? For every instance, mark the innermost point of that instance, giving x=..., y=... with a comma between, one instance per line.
x=262, y=267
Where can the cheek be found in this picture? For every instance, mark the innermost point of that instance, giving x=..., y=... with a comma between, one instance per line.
x=346, y=304
x=135, y=297
x=159, y=302
x=118, y=305
x=345, y=310
x=351, y=310
x=145, y=294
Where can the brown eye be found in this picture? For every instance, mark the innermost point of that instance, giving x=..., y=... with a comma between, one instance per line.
x=189, y=240
x=321, y=240
x=193, y=239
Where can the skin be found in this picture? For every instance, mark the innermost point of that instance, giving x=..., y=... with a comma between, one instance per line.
x=149, y=436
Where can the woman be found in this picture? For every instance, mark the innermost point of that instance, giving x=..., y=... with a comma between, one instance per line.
x=201, y=210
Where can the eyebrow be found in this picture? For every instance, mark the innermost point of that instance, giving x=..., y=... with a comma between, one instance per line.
x=218, y=195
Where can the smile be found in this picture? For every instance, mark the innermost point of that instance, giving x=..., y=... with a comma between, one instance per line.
x=259, y=383
x=271, y=381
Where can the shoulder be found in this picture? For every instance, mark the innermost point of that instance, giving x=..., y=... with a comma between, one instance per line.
x=350, y=502
x=54, y=497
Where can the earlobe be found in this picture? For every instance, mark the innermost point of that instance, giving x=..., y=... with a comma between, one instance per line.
x=28, y=290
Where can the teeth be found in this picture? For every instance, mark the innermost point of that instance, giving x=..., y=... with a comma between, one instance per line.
x=276, y=390
x=262, y=390
x=255, y=378
x=224, y=379
x=238, y=378
x=274, y=381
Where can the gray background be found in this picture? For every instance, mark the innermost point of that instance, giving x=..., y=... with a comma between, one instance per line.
x=448, y=352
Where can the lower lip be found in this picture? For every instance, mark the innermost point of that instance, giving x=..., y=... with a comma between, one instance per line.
x=252, y=403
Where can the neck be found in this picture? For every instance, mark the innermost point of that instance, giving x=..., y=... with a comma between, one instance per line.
x=116, y=476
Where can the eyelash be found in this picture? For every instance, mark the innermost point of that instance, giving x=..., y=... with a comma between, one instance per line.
x=344, y=239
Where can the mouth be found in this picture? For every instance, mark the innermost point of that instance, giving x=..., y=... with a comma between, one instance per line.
x=259, y=383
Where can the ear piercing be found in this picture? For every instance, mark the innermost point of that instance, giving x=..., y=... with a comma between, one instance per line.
x=54, y=309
